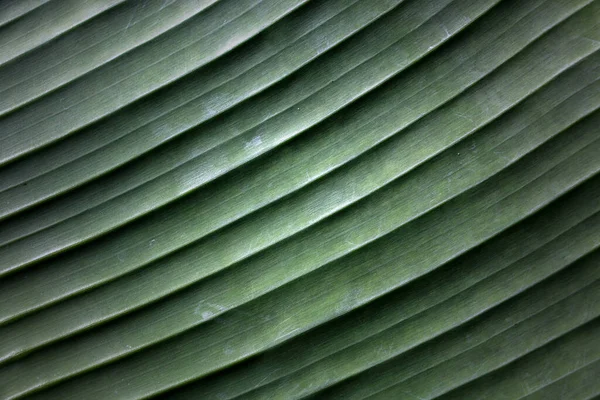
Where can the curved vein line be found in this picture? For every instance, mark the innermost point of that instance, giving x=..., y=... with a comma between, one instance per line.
x=19, y=16
x=23, y=103
x=437, y=304
x=466, y=321
x=297, y=332
x=291, y=107
x=391, y=179
x=56, y=34
x=183, y=104
x=334, y=211
x=195, y=125
x=146, y=67
x=22, y=153
x=486, y=341
x=183, y=131
x=579, y=368
x=49, y=22
x=302, y=330
x=230, y=168
x=519, y=356
x=416, y=217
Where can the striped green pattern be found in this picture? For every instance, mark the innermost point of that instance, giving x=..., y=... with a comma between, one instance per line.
x=283, y=199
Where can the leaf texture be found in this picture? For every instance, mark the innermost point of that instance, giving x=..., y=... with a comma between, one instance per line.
x=281, y=199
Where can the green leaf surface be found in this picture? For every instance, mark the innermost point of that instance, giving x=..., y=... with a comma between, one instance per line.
x=283, y=199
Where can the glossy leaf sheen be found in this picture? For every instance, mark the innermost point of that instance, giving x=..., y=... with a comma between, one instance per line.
x=281, y=199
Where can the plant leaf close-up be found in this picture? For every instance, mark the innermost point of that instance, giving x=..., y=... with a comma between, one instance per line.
x=285, y=199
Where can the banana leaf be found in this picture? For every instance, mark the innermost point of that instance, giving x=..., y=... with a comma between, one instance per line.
x=285, y=199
